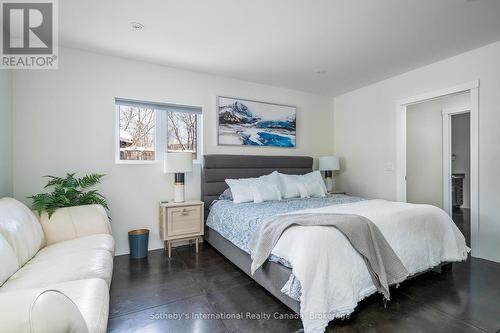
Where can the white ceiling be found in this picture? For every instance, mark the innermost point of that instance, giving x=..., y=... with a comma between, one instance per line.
x=283, y=42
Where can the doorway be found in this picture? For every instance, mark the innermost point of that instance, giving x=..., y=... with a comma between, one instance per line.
x=456, y=167
x=429, y=165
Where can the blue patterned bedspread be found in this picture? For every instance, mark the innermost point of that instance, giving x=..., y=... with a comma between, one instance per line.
x=238, y=222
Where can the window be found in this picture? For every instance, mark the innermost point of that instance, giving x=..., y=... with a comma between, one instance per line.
x=182, y=131
x=145, y=130
x=137, y=133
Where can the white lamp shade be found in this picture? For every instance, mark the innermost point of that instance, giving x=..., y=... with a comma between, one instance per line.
x=329, y=163
x=178, y=162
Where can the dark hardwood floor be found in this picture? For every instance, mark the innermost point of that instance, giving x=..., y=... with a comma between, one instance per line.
x=146, y=293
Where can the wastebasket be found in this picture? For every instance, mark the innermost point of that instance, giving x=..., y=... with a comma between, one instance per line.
x=138, y=242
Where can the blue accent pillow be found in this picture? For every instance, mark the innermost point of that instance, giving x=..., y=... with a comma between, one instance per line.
x=226, y=195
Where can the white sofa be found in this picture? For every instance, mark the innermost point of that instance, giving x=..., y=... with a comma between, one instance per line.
x=54, y=274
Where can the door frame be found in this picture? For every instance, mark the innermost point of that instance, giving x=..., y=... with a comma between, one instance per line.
x=447, y=154
x=401, y=110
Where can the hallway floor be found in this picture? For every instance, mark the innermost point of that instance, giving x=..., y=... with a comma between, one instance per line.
x=461, y=217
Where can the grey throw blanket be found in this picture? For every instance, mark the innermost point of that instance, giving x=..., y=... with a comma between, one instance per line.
x=383, y=264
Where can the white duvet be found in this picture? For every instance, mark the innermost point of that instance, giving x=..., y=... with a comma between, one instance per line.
x=332, y=274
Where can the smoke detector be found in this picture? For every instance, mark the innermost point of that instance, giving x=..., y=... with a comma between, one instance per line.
x=136, y=26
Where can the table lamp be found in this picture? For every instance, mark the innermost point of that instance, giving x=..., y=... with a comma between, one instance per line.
x=178, y=164
x=328, y=164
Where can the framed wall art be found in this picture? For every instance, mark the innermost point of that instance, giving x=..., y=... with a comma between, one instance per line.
x=244, y=122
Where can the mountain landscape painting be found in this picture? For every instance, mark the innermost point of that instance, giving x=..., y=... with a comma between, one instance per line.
x=250, y=123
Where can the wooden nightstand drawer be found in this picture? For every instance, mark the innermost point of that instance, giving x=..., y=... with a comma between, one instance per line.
x=181, y=221
x=184, y=221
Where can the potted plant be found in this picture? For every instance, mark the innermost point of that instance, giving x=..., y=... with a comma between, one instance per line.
x=68, y=192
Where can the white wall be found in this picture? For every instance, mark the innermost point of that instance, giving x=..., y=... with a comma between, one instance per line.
x=460, y=143
x=5, y=133
x=424, y=148
x=64, y=121
x=365, y=132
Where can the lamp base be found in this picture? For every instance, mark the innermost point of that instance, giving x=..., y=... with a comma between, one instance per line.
x=330, y=184
x=179, y=193
x=179, y=187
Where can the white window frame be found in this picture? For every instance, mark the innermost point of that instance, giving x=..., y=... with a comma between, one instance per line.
x=199, y=139
x=164, y=134
x=118, y=160
x=161, y=137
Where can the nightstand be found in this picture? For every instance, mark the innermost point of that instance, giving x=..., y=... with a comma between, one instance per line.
x=181, y=221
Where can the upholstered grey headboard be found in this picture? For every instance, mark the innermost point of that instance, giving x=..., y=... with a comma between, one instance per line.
x=218, y=168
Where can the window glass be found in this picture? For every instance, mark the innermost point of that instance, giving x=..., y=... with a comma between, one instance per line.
x=137, y=133
x=182, y=132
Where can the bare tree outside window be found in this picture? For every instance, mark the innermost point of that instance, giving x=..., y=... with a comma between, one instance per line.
x=137, y=124
x=137, y=133
x=181, y=132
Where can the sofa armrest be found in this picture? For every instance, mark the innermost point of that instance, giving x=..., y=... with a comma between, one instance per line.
x=39, y=311
x=73, y=222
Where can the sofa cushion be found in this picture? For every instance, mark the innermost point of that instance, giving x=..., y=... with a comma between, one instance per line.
x=8, y=260
x=40, y=273
x=21, y=229
x=73, y=222
x=94, y=242
x=91, y=296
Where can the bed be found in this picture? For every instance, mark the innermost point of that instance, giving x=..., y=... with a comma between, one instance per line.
x=276, y=275
x=217, y=168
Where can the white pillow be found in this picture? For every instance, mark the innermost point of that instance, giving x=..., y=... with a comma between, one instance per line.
x=265, y=192
x=272, y=178
x=242, y=190
x=264, y=188
x=292, y=186
x=305, y=186
x=314, y=184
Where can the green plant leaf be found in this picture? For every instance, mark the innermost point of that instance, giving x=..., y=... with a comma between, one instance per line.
x=68, y=192
x=53, y=181
x=90, y=180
